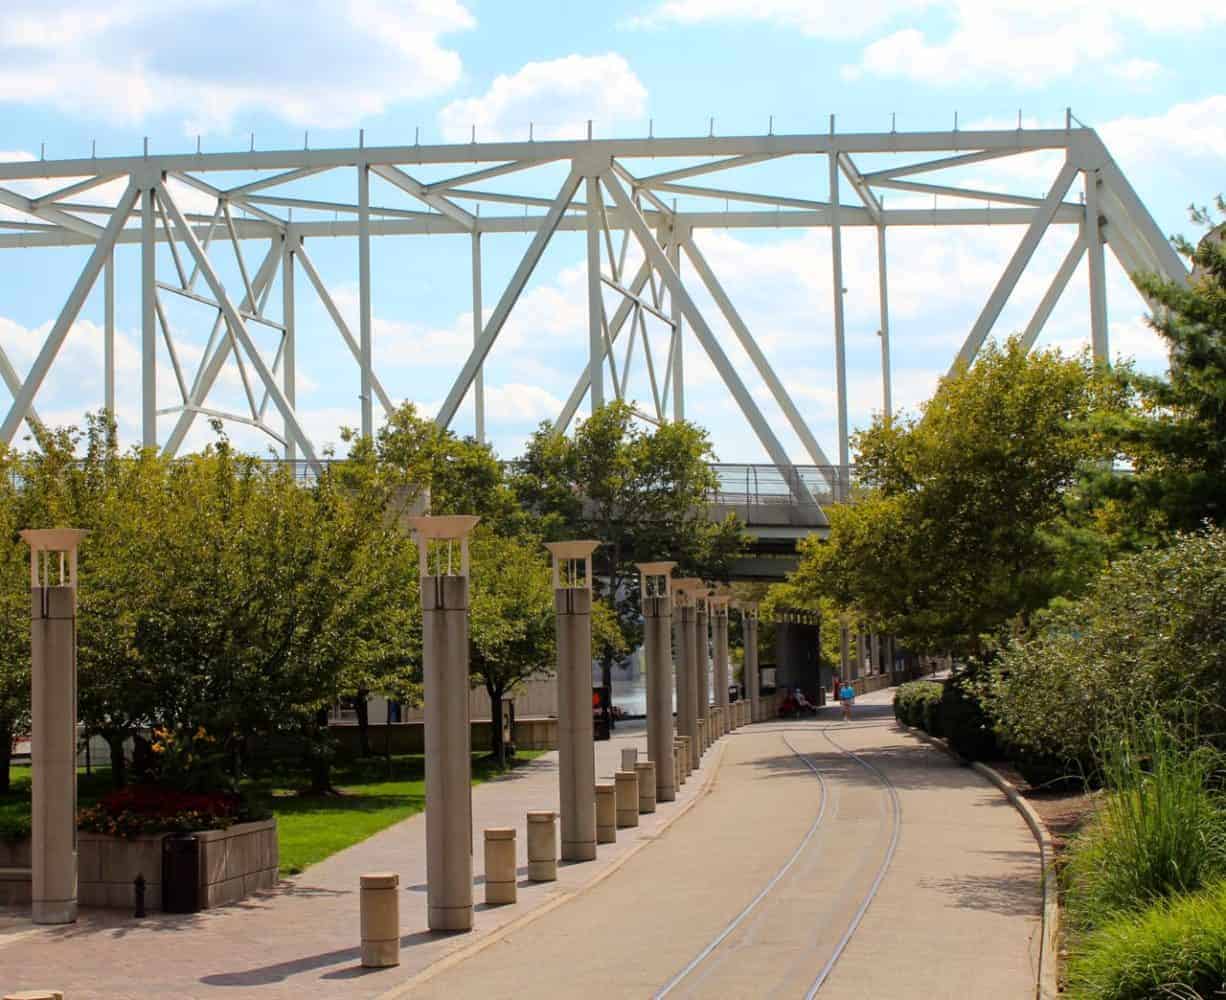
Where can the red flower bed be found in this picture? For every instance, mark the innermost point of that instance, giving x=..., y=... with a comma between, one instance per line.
x=138, y=809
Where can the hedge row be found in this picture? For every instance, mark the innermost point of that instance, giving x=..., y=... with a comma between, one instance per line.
x=951, y=709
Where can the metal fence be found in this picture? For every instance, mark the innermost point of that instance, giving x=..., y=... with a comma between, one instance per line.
x=759, y=485
x=738, y=484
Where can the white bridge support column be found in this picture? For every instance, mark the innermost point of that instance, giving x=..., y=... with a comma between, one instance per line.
x=595, y=300
x=148, y=323
x=108, y=336
x=448, y=736
x=53, y=656
x=1100, y=344
x=887, y=388
x=289, y=363
x=657, y=649
x=479, y=378
x=840, y=345
x=572, y=593
x=677, y=375
x=366, y=359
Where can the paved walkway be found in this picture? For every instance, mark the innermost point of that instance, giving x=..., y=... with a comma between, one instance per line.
x=956, y=914
x=302, y=939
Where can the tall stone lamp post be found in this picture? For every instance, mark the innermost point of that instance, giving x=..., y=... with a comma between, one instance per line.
x=448, y=735
x=683, y=591
x=702, y=656
x=719, y=630
x=572, y=601
x=657, y=647
x=53, y=722
x=753, y=683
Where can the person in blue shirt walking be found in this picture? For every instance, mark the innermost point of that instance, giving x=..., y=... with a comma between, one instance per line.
x=847, y=697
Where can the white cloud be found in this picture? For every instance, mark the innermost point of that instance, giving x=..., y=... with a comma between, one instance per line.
x=1136, y=71
x=208, y=61
x=1195, y=130
x=519, y=403
x=558, y=97
x=1025, y=46
x=1026, y=42
x=816, y=18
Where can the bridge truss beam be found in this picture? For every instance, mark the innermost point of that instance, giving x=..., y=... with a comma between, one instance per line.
x=610, y=193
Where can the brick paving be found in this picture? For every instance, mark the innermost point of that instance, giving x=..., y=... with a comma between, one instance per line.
x=957, y=914
x=302, y=938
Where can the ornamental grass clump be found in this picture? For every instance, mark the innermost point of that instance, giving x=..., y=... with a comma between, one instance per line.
x=1161, y=830
x=1176, y=949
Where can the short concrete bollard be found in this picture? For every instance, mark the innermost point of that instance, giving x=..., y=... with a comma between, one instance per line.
x=646, y=770
x=380, y=920
x=606, y=814
x=626, y=784
x=687, y=756
x=542, y=847
x=630, y=757
x=500, y=887
x=703, y=742
x=678, y=763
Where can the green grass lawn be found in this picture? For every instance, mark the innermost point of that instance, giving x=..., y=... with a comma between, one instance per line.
x=309, y=827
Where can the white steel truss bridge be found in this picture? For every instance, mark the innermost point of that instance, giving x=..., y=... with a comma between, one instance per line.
x=612, y=191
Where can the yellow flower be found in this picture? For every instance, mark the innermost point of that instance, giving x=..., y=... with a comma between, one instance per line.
x=158, y=748
x=200, y=733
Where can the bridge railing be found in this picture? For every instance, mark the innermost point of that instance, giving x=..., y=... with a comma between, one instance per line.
x=765, y=485
x=739, y=485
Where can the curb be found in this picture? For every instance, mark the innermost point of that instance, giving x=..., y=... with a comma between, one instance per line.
x=1046, y=985
x=454, y=958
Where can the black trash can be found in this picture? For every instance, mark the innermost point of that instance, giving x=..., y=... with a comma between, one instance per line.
x=181, y=873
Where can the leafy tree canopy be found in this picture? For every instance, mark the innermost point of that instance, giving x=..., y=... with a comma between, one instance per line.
x=965, y=508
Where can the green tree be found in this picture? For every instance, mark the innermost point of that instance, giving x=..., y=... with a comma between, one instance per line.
x=964, y=525
x=641, y=494
x=1175, y=433
x=14, y=614
x=1147, y=639
x=512, y=629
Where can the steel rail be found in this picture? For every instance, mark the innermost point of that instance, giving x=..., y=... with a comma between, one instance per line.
x=736, y=921
x=888, y=785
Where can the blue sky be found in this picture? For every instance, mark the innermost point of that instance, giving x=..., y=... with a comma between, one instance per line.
x=74, y=73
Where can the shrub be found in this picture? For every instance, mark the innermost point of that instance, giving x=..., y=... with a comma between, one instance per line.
x=910, y=699
x=1150, y=631
x=1161, y=831
x=933, y=718
x=967, y=726
x=1176, y=948
x=140, y=809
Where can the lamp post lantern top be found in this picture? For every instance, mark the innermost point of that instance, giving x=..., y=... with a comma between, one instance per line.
x=695, y=590
x=443, y=531
x=572, y=563
x=46, y=542
x=655, y=578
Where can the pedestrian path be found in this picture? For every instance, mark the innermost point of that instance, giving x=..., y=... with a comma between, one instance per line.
x=302, y=939
x=754, y=891
x=749, y=885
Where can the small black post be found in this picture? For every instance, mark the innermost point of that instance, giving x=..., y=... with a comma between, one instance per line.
x=138, y=886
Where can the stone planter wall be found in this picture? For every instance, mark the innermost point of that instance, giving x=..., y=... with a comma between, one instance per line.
x=233, y=863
